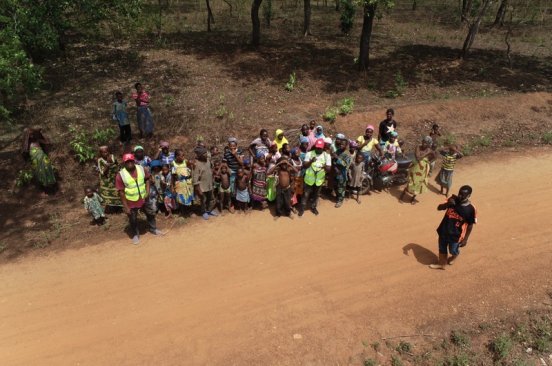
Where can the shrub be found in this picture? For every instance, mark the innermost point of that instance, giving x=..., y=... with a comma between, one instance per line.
x=400, y=87
x=331, y=114
x=396, y=361
x=404, y=347
x=347, y=17
x=24, y=177
x=81, y=145
x=103, y=136
x=547, y=138
x=346, y=106
x=501, y=346
x=290, y=85
x=459, y=339
x=370, y=362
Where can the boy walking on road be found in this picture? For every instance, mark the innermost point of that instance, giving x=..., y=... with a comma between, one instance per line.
x=456, y=226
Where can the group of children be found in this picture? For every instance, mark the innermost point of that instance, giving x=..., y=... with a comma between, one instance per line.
x=235, y=179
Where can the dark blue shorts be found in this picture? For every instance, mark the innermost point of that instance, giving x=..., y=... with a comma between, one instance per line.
x=448, y=246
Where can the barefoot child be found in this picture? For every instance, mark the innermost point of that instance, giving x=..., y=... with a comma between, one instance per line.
x=242, y=189
x=120, y=115
x=222, y=175
x=93, y=204
x=356, y=171
x=166, y=187
x=444, y=178
x=283, y=170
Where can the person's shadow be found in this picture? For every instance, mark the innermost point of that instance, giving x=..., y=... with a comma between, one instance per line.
x=423, y=256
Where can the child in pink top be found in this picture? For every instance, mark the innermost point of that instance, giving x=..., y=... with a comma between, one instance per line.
x=144, y=117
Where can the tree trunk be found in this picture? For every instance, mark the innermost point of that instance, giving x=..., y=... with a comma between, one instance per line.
x=229, y=5
x=501, y=13
x=256, y=35
x=337, y=5
x=368, y=22
x=307, y=20
x=210, y=18
x=474, y=28
x=466, y=8
x=414, y=5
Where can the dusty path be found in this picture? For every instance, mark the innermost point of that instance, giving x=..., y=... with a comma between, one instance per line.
x=235, y=290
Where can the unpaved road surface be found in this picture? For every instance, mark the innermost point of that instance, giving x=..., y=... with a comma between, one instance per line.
x=251, y=290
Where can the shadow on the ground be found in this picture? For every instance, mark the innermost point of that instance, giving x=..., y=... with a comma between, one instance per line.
x=423, y=256
x=333, y=63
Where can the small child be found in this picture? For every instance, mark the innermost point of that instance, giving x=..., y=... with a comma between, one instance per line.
x=93, y=204
x=435, y=134
x=120, y=115
x=242, y=189
x=356, y=170
x=222, y=176
x=165, y=180
x=283, y=186
x=392, y=146
x=444, y=178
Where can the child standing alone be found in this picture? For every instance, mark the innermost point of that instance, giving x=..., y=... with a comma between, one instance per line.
x=120, y=115
x=93, y=204
x=444, y=178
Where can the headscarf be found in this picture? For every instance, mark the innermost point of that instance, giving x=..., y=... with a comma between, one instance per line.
x=232, y=140
x=428, y=140
x=327, y=140
x=316, y=134
x=138, y=147
x=303, y=139
x=371, y=127
x=164, y=144
x=395, y=134
x=104, y=148
x=282, y=141
x=340, y=136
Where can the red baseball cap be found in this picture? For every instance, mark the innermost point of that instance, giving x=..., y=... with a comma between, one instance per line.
x=319, y=144
x=127, y=157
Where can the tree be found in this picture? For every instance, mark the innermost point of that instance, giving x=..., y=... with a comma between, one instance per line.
x=501, y=13
x=307, y=17
x=347, y=18
x=210, y=17
x=473, y=26
x=369, y=13
x=31, y=31
x=256, y=34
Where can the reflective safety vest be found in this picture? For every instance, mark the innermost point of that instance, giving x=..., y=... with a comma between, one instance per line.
x=134, y=188
x=315, y=174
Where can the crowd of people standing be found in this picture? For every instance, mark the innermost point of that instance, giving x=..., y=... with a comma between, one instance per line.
x=292, y=171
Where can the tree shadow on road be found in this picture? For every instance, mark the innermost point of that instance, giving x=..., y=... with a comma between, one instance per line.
x=423, y=256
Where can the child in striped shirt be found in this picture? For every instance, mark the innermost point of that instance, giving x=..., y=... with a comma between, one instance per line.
x=444, y=178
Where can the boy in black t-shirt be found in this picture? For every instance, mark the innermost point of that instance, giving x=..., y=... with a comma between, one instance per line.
x=456, y=226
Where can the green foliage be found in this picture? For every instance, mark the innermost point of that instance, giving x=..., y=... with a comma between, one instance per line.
x=460, y=359
x=103, y=136
x=330, y=115
x=290, y=85
x=24, y=177
x=346, y=106
x=347, y=17
x=547, y=138
x=84, y=144
x=376, y=346
x=33, y=30
x=399, y=88
x=81, y=146
x=396, y=361
x=18, y=75
x=501, y=346
x=370, y=362
x=404, y=347
x=459, y=339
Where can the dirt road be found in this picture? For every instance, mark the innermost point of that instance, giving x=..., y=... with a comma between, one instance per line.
x=253, y=290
